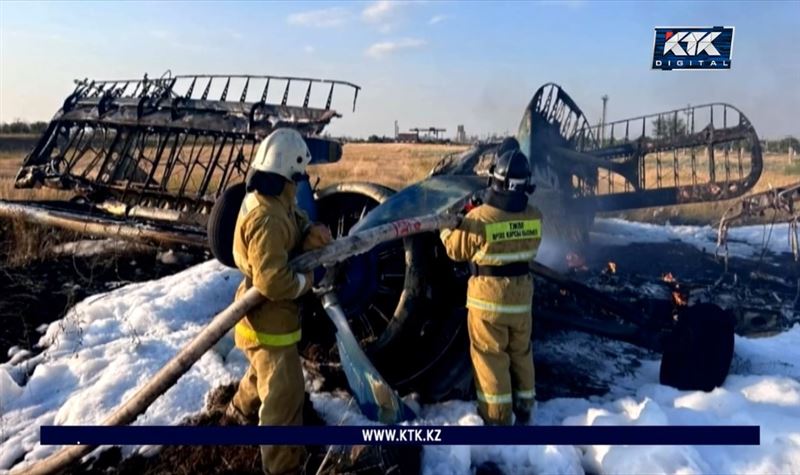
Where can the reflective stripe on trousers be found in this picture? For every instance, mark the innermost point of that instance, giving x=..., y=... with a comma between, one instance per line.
x=496, y=307
x=494, y=398
x=268, y=339
x=529, y=394
x=504, y=398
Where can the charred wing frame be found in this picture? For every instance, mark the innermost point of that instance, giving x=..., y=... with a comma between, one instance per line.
x=165, y=149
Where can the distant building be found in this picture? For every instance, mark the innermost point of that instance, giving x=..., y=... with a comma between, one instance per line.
x=429, y=134
x=407, y=137
x=420, y=135
x=461, y=135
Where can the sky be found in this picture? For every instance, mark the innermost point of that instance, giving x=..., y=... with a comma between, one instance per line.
x=421, y=63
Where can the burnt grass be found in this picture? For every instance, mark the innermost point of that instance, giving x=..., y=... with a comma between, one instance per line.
x=39, y=285
x=763, y=292
x=40, y=291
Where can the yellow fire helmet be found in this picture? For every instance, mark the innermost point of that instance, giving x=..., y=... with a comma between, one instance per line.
x=284, y=152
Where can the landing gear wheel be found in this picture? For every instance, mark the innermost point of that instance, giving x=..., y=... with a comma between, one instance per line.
x=388, y=298
x=698, y=354
x=369, y=285
x=222, y=222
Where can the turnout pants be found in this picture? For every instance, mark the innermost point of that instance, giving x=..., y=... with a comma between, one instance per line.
x=273, y=385
x=500, y=348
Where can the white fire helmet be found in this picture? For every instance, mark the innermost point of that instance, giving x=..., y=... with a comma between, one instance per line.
x=283, y=152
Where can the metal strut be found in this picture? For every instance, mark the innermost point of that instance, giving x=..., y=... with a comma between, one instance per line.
x=784, y=201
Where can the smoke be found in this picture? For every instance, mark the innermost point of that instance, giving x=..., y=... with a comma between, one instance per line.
x=565, y=228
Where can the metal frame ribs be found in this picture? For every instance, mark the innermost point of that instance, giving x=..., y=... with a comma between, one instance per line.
x=783, y=201
x=165, y=149
x=702, y=153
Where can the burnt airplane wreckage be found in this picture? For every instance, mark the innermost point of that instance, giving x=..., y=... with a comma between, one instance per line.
x=782, y=201
x=162, y=161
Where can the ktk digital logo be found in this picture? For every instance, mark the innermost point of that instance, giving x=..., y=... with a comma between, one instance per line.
x=693, y=48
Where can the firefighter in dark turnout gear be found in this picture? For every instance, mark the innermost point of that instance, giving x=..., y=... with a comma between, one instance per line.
x=499, y=238
x=270, y=227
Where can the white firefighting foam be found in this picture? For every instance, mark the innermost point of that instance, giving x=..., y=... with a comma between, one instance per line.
x=745, y=241
x=110, y=344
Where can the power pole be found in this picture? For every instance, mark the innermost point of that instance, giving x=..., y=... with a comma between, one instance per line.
x=396, y=129
x=603, y=120
x=688, y=118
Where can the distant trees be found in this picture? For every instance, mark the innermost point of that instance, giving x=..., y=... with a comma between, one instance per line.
x=379, y=139
x=20, y=127
x=782, y=145
x=666, y=127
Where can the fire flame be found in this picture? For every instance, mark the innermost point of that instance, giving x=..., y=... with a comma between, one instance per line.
x=612, y=267
x=678, y=297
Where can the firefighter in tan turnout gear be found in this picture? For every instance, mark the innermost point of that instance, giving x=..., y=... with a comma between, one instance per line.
x=499, y=238
x=268, y=229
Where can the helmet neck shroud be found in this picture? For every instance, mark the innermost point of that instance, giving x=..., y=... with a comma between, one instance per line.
x=265, y=183
x=511, y=201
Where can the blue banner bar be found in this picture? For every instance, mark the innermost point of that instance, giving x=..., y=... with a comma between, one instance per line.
x=395, y=435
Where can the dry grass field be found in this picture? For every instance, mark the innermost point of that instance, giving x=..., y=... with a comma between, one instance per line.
x=778, y=171
x=393, y=164
x=396, y=165
x=9, y=165
x=13, y=149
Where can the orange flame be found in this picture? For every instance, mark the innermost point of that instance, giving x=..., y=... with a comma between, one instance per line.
x=678, y=299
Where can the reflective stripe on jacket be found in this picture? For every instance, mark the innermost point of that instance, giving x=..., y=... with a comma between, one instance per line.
x=489, y=236
x=267, y=230
x=267, y=339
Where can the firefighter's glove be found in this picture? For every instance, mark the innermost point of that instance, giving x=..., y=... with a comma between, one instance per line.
x=473, y=202
x=318, y=235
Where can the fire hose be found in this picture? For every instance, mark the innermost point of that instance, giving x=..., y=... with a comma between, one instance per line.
x=328, y=255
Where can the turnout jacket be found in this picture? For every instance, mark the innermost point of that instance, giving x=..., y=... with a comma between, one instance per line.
x=268, y=229
x=489, y=236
